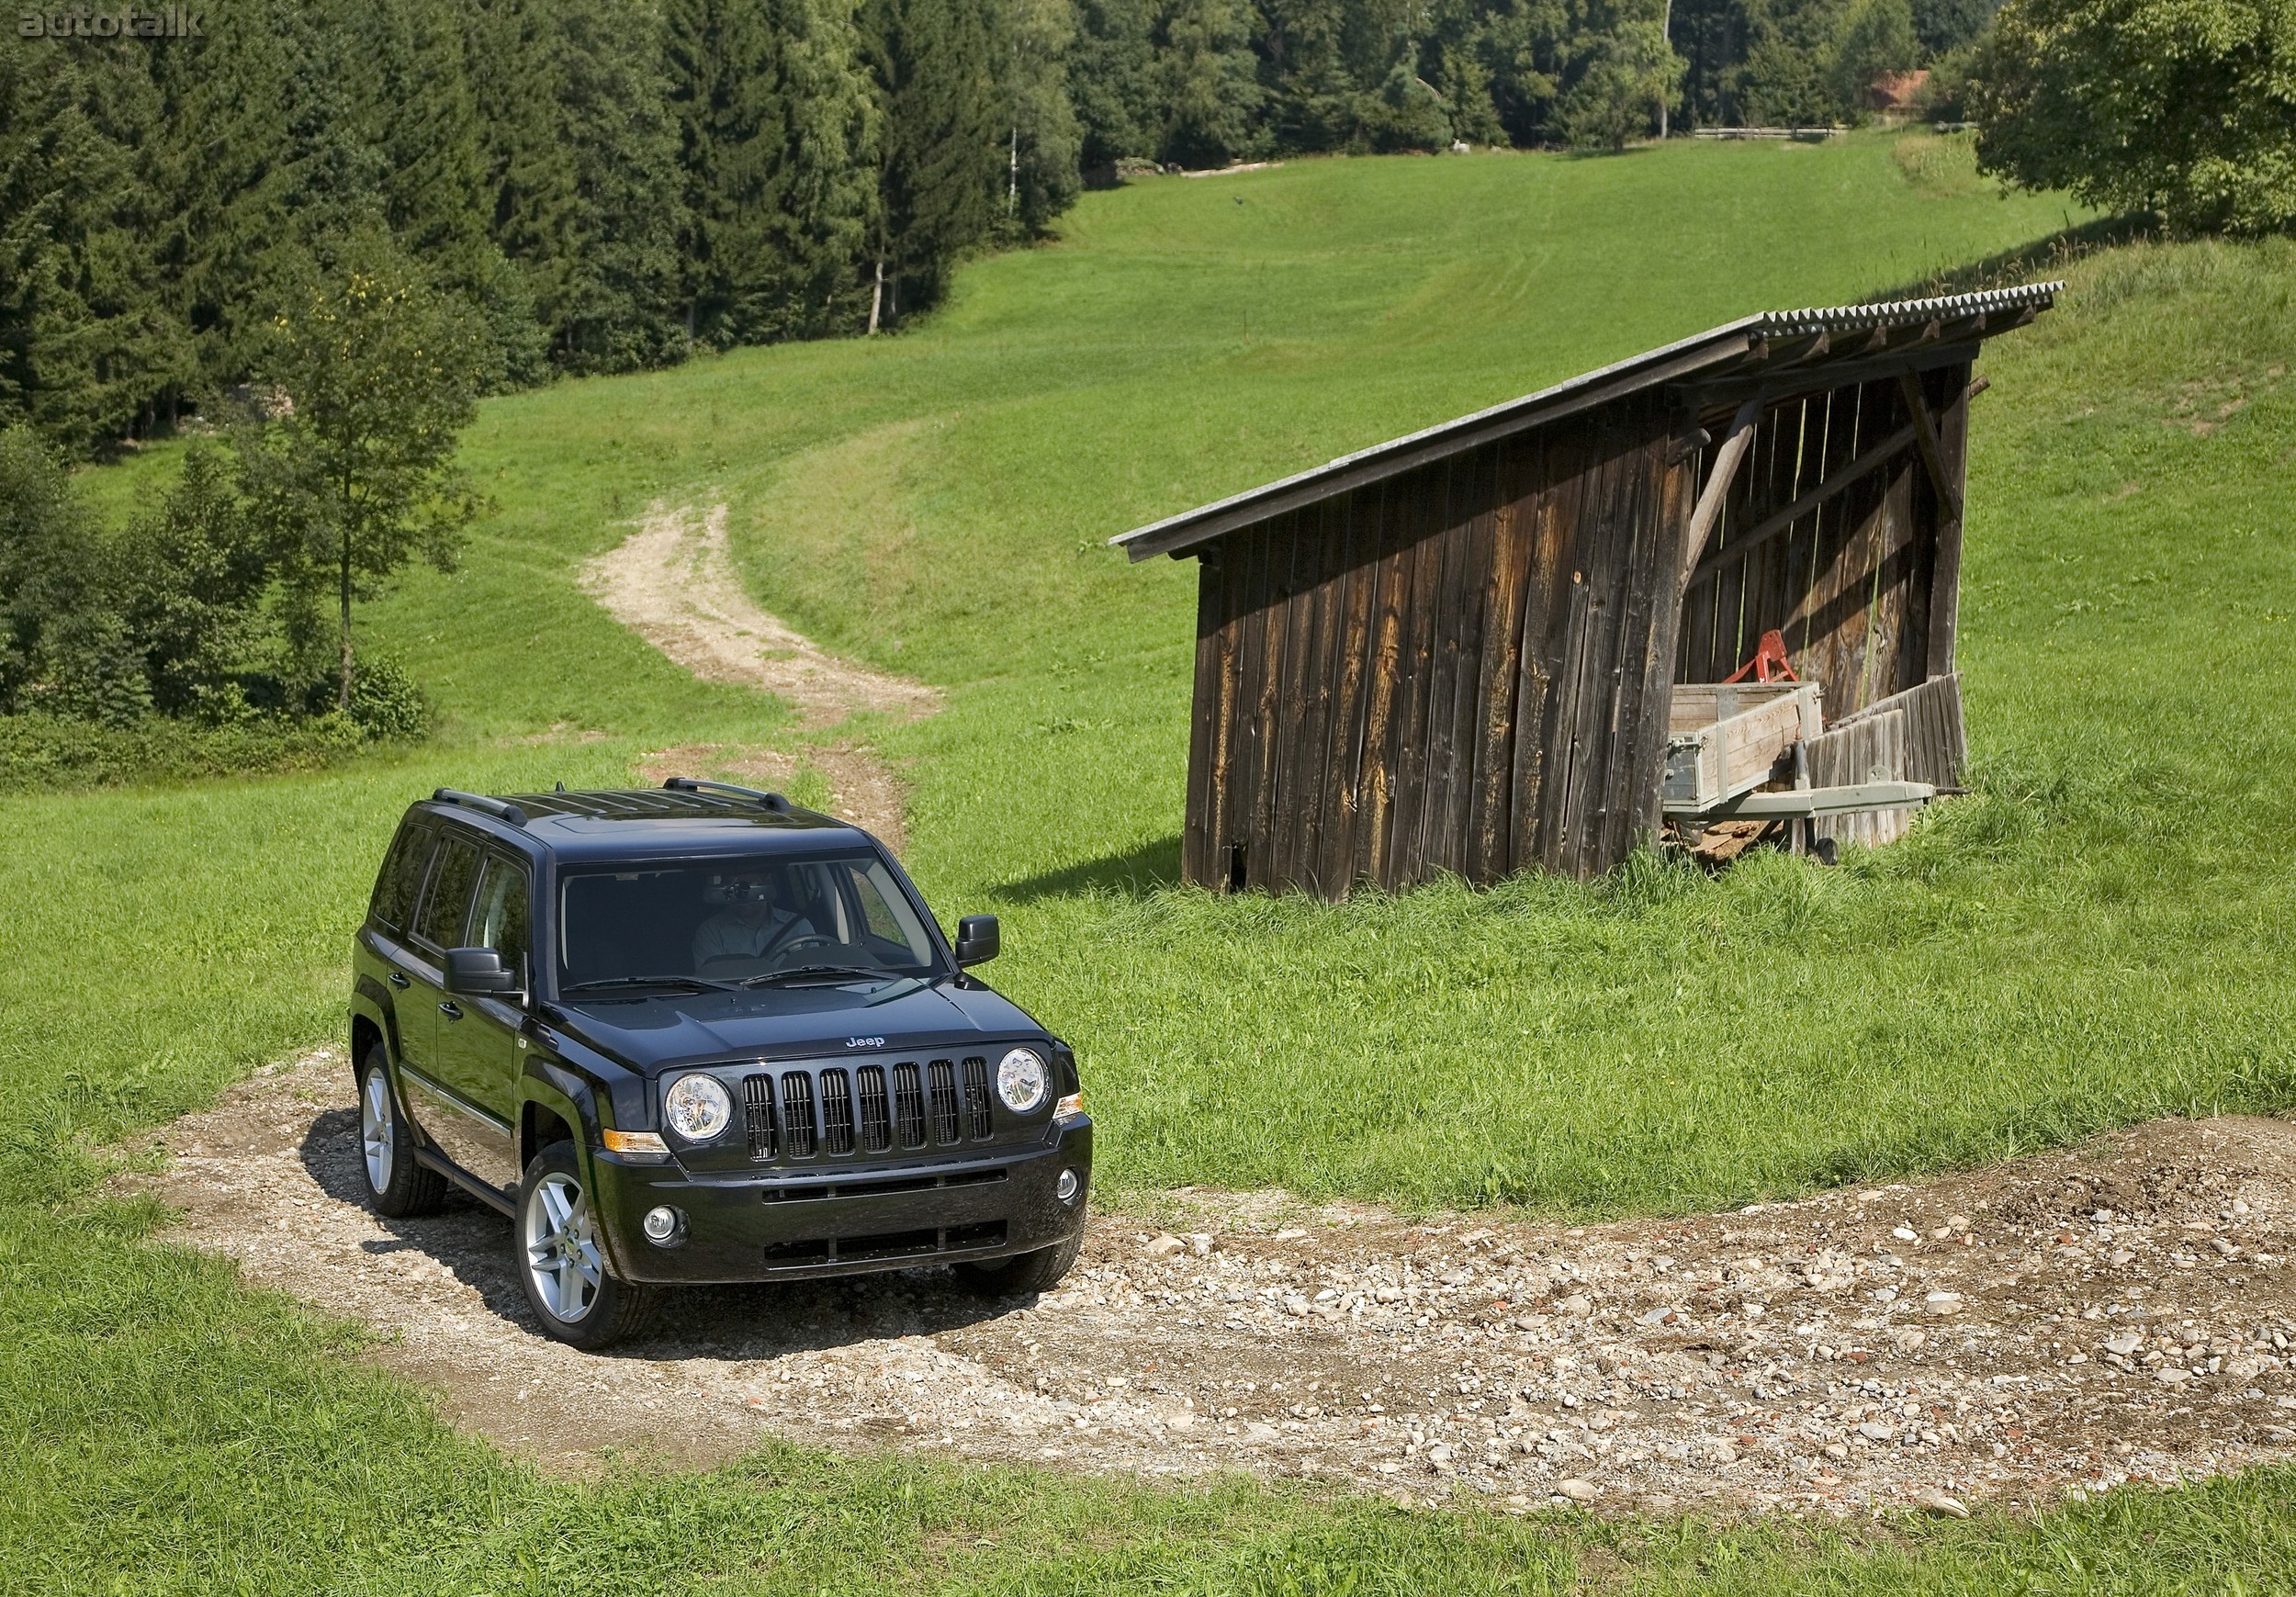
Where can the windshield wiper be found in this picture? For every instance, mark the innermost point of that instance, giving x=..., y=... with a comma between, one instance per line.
x=695, y=983
x=851, y=973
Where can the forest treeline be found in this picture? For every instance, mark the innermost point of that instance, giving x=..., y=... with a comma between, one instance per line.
x=608, y=185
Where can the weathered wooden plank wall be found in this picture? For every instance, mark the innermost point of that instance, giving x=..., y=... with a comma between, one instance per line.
x=1871, y=748
x=1464, y=668
x=1937, y=747
x=1449, y=670
x=1851, y=582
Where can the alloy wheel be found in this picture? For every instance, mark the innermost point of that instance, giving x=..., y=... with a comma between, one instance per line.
x=562, y=1257
x=376, y=1131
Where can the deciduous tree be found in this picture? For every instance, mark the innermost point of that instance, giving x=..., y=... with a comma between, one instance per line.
x=2183, y=107
x=377, y=370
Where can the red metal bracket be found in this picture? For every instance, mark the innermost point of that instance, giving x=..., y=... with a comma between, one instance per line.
x=1769, y=663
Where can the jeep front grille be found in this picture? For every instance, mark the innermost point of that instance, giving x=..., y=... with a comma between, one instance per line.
x=836, y=1112
x=757, y=1098
x=977, y=1096
x=943, y=1077
x=797, y=1113
x=876, y=1118
x=909, y=1106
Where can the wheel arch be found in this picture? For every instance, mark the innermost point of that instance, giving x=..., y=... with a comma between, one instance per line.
x=554, y=1106
x=373, y=1021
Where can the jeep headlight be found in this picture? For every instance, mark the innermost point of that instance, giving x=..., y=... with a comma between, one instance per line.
x=698, y=1107
x=1020, y=1080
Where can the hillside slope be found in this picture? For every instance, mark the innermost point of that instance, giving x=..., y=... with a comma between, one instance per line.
x=2095, y=937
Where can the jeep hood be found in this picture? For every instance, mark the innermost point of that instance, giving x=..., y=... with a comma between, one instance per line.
x=648, y=1031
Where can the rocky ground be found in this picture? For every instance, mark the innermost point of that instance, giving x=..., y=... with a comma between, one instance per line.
x=2058, y=1324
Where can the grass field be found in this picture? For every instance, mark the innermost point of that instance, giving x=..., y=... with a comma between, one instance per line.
x=2093, y=937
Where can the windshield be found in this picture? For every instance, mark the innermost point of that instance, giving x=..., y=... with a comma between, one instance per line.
x=724, y=922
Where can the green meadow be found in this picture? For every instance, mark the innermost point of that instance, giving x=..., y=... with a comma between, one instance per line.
x=2094, y=937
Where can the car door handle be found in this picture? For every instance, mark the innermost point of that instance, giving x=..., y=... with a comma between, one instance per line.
x=397, y=978
x=452, y=1011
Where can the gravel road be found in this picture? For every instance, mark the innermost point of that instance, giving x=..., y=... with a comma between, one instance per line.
x=2058, y=1324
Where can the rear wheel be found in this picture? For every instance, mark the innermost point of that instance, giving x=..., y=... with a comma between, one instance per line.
x=395, y=1185
x=1023, y=1274
x=561, y=1265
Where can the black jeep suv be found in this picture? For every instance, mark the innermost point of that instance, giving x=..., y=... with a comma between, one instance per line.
x=701, y=1035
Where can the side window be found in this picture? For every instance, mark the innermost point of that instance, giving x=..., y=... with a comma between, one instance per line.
x=499, y=922
x=886, y=911
x=401, y=876
x=451, y=881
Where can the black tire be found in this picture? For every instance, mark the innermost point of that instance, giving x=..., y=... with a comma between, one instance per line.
x=1023, y=1274
x=396, y=1185
x=561, y=1267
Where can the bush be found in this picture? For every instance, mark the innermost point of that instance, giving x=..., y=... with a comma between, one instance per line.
x=386, y=703
x=40, y=750
x=166, y=649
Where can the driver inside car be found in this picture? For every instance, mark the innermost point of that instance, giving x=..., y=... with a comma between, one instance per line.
x=753, y=925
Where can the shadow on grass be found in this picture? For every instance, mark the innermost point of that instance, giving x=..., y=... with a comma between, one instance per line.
x=2041, y=259
x=1136, y=874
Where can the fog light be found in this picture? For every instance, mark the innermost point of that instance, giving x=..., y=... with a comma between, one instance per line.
x=1067, y=1186
x=665, y=1227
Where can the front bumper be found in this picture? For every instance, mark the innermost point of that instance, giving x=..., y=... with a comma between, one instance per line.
x=888, y=1215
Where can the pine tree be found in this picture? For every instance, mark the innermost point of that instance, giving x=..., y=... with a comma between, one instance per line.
x=1112, y=83
x=1317, y=102
x=265, y=156
x=407, y=69
x=1212, y=99
x=621, y=308
x=581, y=162
x=939, y=175
x=85, y=337
x=774, y=125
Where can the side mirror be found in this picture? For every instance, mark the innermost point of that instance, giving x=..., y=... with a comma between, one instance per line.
x=978, y=941
x=472, y=971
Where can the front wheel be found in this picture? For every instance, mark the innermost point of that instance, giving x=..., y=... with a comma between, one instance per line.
x=395, y=1185
x=1023, y=1274
x=559, y=1261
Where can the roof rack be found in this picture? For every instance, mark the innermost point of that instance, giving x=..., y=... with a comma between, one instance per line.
x=767, y=801
x=496, y=807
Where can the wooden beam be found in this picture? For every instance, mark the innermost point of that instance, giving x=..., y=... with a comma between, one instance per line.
x=1715, y=394
x=1945, y=573
x=1816, y=801
x=1726, y=460
x=1925, y=439
x=1769, y=527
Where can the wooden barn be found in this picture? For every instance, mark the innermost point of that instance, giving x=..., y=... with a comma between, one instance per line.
x=1510, y=640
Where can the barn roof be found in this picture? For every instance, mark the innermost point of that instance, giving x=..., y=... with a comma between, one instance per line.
x=1792, y=351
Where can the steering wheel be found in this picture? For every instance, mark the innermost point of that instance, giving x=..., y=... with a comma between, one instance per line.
x=782, y=943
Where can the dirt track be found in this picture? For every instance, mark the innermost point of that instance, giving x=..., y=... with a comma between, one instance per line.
x=2066, y=1322
x=672, y=583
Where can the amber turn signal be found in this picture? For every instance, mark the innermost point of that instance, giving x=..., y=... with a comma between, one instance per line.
x=639, y=1144
x=1074, y=1104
